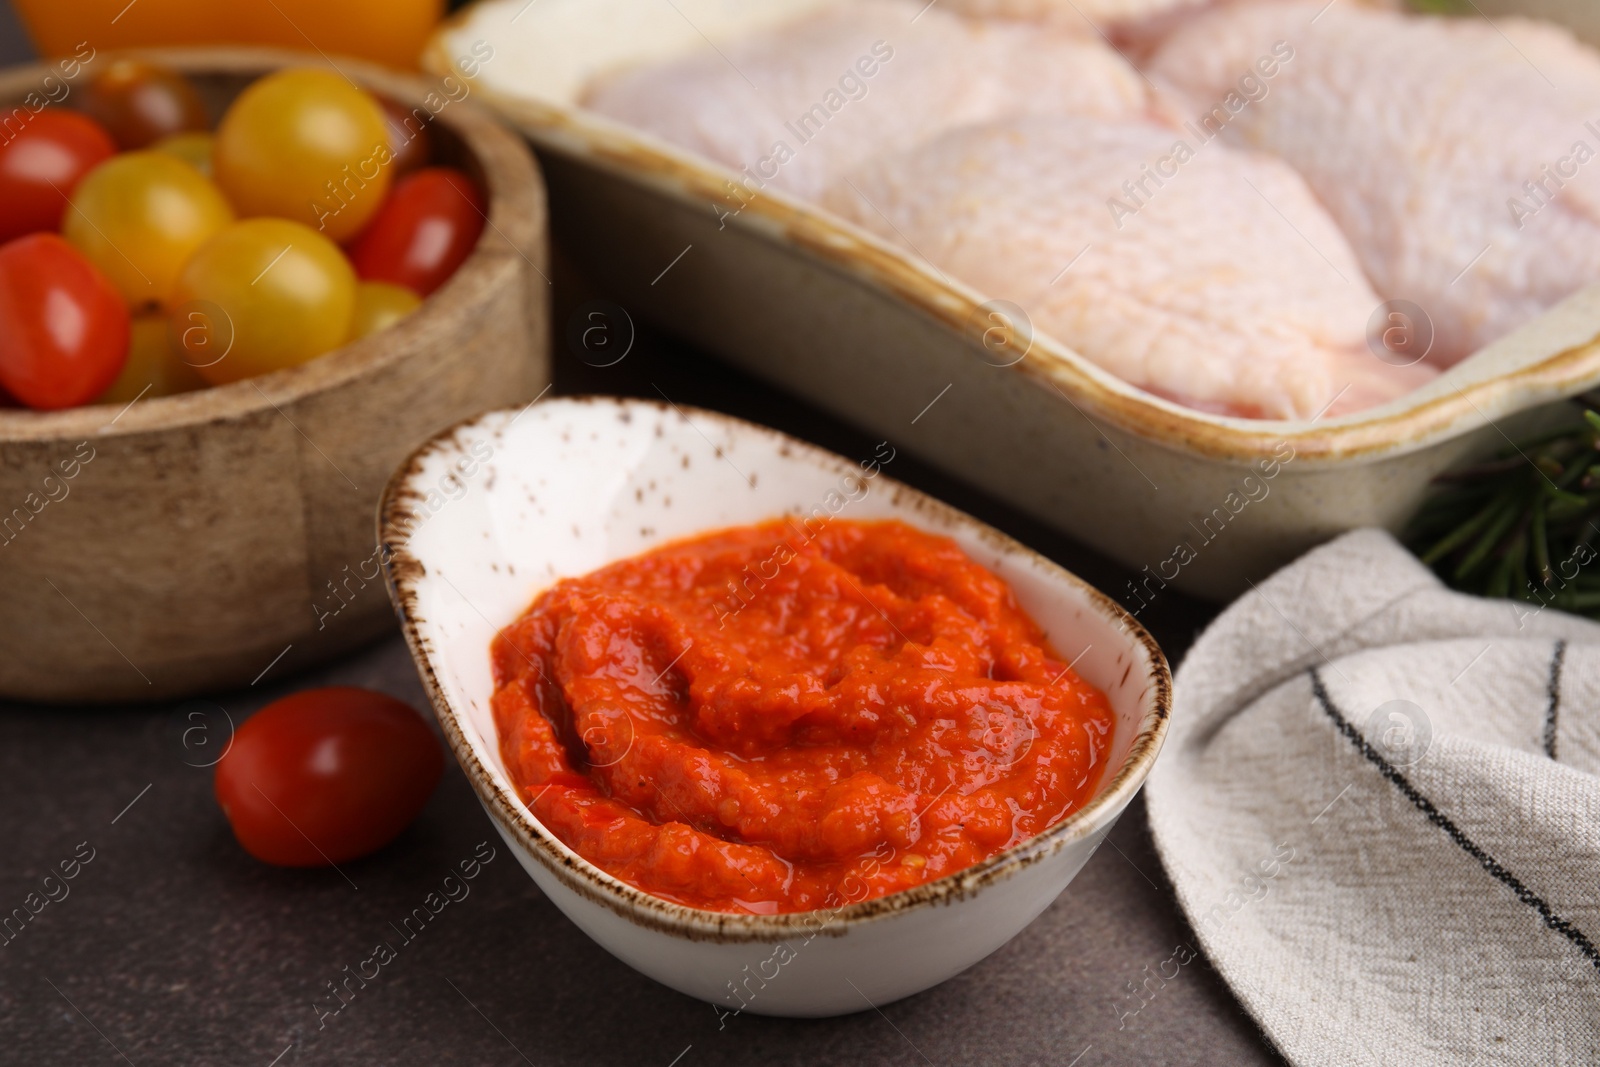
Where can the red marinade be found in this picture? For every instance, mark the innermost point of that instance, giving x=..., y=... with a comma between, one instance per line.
x=770, y=719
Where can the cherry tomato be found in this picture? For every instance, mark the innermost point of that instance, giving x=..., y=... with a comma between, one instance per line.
x=305, y=145
x=153, y=367
x=423, y=232
x=379, y=306
x=327, y=775
x=193, y=148
x=409, y=141
x=42, y=165
x=262, y=295
x=140, y=102
x=63, y=326
x=139, y=217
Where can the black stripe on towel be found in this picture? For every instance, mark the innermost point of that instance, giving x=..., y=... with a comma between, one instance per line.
x=1443, y=822
x=1555, y=698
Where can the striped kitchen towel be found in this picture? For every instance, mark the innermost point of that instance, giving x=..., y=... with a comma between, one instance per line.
x=1379, y=804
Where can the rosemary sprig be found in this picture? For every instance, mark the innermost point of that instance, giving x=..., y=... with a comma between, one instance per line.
x=1524, y=524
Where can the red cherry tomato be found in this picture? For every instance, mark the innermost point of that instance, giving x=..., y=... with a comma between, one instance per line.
x=327, y=775
x=140, y=102
x=423, y=232
x=63, y=325
x=42, y=164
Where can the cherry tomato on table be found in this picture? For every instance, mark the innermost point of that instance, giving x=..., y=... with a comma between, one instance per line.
x=139, y=103
x=63, y=326
x=327, y=775
x=305, y=145
x=42, y=165
x=139, y=217
x=424, y=231
x=262, y=295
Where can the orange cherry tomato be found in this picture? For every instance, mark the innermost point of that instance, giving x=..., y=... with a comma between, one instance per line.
x=305, y=145
x=63, y=326
x=327, y=775
x=42, y=165
x=140, y=103
x=139, y=217
x=262, y=295
x=423, y=232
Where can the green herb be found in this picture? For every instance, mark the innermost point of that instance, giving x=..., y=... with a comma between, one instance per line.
x=1523, y=524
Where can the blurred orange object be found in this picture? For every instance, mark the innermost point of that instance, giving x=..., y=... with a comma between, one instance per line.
x=388, y=31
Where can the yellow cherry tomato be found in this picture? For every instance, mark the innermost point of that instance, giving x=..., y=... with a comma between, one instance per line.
x=139, y=216
x=193, y=148
x=262, y=295
x=379, y=306
x=305, y=145
x=153, y=367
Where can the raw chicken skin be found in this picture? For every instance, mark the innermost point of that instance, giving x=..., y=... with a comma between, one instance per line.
x=804, y=88
x=1419, y=133
x=1215, y=294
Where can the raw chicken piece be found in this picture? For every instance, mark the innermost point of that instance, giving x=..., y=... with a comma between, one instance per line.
x=1215, y=294
x=1419, y=133
x=796, y=107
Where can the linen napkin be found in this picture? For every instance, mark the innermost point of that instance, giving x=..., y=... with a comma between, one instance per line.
x=1379, y=803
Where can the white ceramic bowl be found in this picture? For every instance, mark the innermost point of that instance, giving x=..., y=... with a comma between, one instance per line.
x=488, y=514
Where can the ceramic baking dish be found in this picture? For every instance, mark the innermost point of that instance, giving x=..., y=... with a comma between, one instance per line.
x=795, y=295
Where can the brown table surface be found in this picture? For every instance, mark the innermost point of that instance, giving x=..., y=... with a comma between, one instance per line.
x=174, y=947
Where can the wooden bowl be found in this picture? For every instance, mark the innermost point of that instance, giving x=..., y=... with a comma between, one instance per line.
x=193, y=542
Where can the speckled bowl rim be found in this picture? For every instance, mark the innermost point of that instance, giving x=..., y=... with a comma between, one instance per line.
x=1402, y=426
x=403, y=573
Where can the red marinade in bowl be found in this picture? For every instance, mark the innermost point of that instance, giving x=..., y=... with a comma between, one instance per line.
x=771, y=719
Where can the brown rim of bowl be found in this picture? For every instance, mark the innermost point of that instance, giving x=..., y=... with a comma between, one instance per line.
x=845, y=248
x=515, y=220
x=403, y=571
